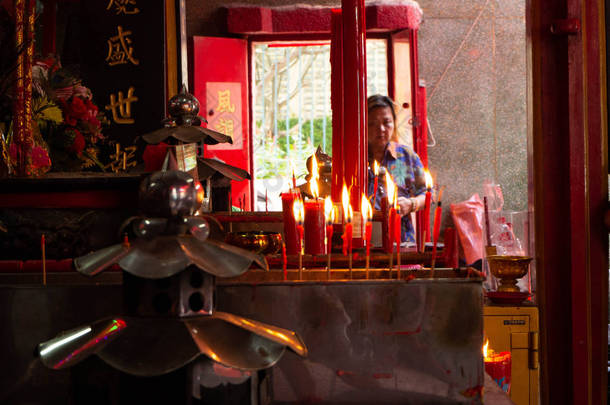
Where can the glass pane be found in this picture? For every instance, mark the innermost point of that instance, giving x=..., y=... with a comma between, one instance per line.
x=291, y=108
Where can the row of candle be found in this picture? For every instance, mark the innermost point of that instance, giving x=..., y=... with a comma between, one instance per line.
x=309, y=224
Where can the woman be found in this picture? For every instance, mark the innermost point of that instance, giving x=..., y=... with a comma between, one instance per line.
x=402, y=162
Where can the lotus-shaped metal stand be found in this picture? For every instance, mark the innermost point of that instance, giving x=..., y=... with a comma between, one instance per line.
x=169, y=275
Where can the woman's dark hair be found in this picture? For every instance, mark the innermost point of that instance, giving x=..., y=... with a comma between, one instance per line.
x=377, y=101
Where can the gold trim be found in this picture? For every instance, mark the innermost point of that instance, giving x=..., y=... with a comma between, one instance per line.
x=171, y=50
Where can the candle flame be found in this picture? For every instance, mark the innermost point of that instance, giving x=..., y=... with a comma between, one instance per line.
x=292, y=169
x=345, y=201
x=313, y=182
x=429, y=182
x=298, y=210
x=350, y=214
x=366, y=209
x=376, y=168
x=390, y=187
x=485, y=346
x=329, y=211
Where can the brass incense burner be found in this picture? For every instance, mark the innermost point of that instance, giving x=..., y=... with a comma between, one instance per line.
x=262, y=242
x=508, y=269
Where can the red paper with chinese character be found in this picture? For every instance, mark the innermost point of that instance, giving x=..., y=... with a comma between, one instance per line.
x=220, y=79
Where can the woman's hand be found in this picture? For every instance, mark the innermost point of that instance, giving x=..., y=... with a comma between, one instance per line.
x=406, y=206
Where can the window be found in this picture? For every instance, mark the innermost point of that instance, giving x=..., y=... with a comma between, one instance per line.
x=291, y=109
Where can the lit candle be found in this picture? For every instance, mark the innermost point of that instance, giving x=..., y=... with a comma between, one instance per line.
x=437, y=229
x=329, y=215
x=290, y=227
x=314, y=216
x=376, y=181
x=284, y=261
x=367, y=225
x=392, y=214
x=387, y=211
x=298, y=218
x=426, y=231
x=498, y=366
x=397, y=230
x=294, y=179
x=347, y=223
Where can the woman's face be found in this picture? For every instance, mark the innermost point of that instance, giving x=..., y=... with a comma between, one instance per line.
x=381, y=127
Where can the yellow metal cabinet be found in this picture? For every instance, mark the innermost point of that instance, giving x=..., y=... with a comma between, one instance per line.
x=515, y=329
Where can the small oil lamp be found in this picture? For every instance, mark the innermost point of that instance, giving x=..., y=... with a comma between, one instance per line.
x=498, y=366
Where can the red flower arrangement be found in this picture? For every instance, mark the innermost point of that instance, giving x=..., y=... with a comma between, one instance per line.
x=73, y=142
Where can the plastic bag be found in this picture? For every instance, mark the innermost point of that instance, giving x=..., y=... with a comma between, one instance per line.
x=468, y=219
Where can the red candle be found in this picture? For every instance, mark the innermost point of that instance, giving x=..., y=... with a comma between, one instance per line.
x=301, y=232
x=314, y=227
x=429, y=185
x=397, y=237
x=437, y=222
x=387, y=205
x=347, y=239
x=329, y=237
x=367, y=215
x=290, y=226
x=298, y=211
x=284, y=261
x=347, y=219
x=498, y=366
x=397, y=220
x=336, y=100
x=355, y=145
x=437, y=229
x=385, y=225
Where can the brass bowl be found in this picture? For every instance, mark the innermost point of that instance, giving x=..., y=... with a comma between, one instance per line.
x=262, y=242
x=508, y=269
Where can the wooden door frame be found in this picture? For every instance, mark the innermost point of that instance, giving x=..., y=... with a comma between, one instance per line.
x=569, y=141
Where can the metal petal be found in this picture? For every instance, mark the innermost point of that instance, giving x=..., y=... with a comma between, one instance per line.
x=158, y=135
x=149, y=227
x=233, y=346
x=70, y=347
x=188, y=134
x=215, y=136
x=151, y=346
x=218, y=258
x=232, y=172
x=95, y=262
x=156, y=258
x=286, y=337
x=198, y=227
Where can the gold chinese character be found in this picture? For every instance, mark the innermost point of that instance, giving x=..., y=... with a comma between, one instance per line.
x=224, y=102
x=119, y=50
x=225, y=126
x=121, y=160
x=123, y=104
x=122, y=5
